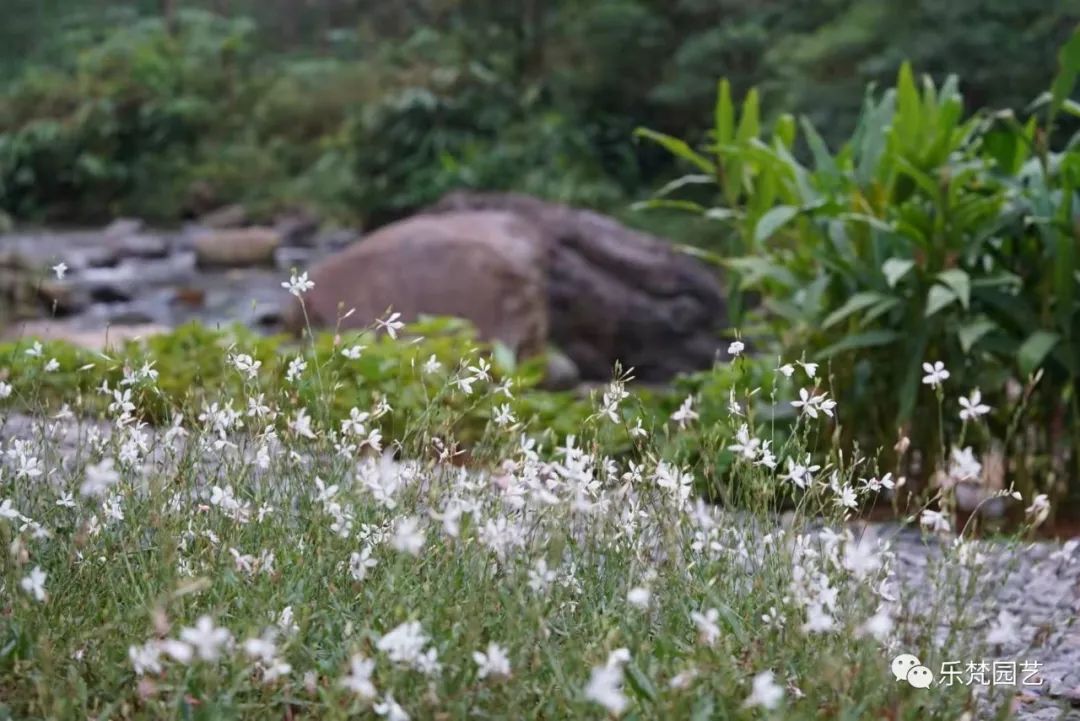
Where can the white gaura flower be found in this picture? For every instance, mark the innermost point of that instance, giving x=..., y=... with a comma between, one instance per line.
x=809, y=368
x=35, y=350
x=685, y=414
x=935, y=522
x=639, y=597
x=391, y=709
x=60, y=269
x=787, y=370
x=360, y=563
x=493, y=662
x=503, y=416
x=972, y=407
x=146, y=658
x=353, y=352
x=1039, y=509
x=5, y=390
x=963, y=466
x=879, y=626
x=708, y=630
x=34, y=584
x=300, y=424
x=391, y=324
x=1005, y=630
x=605, y=685
x=52, y=366
x=431, y=365
x=765, y=692
x=801, y=474
x=935, y=374
x=246, y=365
x=818, y=620
x=100, y=477
x=206, y=639
x=735, y=348
x=298, y=284
x=296, y=368
x=358, y=679
x=408, y=536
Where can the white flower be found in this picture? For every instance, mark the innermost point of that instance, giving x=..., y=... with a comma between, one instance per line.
x=504, y=416
x=35, y=350
x=639, y=597
x=605, y=687
x=432, y=365
x=392, y=324
x=708, y=630
x=879, y=626
x=735, y=348
x=8, y=511
x=391, y=710
x=34, y=584
x=1005, y=631
x=405, y=645
x=963, y=466
x=298, y=284
x=205, y=638
x=178, y=650
x=935, y=522
x=60, y=269
x=787, y=370
x=686, y=413
x=493, y=662
x=358, y=680
x=408, y=536
x=360, y=563
x=52, y=366
x=146, y=658
x=766, y=692
x=801, y=474
x=809, y=368
x=818, y=619
x=296, y=367
x=972, y=407
x=353, y=352
x=5, y=389
x=935, y=374
x=1039, y=509
x=300, y=424
x=99, y=478
x=247, y=365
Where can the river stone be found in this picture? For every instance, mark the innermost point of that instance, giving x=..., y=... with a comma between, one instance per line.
x=615, y=294
x=236, y=248
x=485, y=266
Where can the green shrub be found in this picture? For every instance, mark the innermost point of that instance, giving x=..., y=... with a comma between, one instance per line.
x=931, y=235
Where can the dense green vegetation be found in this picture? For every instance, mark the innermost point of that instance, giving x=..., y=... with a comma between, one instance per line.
x=365, y=110
x=932, y=235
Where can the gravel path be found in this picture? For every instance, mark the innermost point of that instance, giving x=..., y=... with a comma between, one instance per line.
x=1038, y=583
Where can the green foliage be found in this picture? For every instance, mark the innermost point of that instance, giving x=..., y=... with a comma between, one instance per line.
x=931, y=235
x=364, y=110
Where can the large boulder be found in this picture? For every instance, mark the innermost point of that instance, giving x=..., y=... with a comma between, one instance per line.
x=528, y=272
x=614, y=293
x=485, y=266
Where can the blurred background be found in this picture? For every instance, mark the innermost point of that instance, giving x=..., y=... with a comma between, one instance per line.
x=362, y=110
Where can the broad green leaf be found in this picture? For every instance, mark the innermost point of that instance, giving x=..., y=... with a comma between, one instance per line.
x=823, y=160
x=938, y=298
x=970, y=333
x=784, y=130
x=678, y=148
x=960, y=284
x=772, y=221
x=641, y=684
x=724, y=115
x=854, y=304
x=669, y=204
x=895, y=269
x=749, y=123
x=755, y=268
x=858, y=341
x=1034, y=350
x=682, y=182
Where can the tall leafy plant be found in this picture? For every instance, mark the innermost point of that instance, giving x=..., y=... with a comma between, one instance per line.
x=931, y=234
